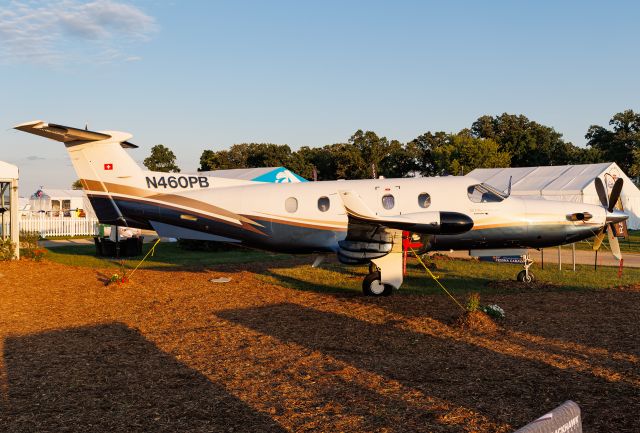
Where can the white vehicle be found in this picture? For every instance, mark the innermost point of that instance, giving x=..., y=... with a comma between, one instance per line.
x=359, y=220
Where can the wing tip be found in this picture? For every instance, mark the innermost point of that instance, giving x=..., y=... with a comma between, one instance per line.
x=32, y=123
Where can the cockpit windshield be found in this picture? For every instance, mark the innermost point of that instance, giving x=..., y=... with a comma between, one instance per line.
x=483, y=193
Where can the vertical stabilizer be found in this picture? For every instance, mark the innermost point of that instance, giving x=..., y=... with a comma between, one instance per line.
x=100, y=161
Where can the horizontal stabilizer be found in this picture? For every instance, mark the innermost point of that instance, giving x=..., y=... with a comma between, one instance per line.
x=66, y=134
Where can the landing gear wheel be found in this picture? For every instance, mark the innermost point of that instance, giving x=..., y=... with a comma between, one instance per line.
x=525, y=277
x=372, y=286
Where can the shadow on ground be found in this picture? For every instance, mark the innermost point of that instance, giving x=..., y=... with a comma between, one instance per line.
x=505, y=388
x=110, y=378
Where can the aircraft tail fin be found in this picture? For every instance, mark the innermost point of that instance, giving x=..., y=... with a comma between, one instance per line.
x=100, y=161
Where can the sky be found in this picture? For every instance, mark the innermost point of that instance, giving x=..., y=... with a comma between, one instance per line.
x=196, y=75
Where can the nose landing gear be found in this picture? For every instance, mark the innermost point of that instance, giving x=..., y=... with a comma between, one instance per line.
x=525, y=276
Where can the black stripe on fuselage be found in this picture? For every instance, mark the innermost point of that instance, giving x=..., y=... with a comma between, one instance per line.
x=273, y=236
x=537, y=236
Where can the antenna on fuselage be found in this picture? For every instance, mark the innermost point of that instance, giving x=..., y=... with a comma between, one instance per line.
x=509, y=187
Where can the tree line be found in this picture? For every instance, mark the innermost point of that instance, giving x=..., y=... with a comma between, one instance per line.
x=505, y=140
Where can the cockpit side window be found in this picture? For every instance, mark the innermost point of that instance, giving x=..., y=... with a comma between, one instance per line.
x=482, y=193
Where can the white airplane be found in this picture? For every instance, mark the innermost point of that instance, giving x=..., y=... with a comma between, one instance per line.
x=359, y=220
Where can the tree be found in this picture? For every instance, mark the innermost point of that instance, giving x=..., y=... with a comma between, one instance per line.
x=362, y=156
x=463, y=152
x=621, y=144
x=346, y=162
x=424, y=145
x=77, y=184
x=372, y=150
x=319, y=157
x=161, y=159
x=401, y=161
x=529, y=143
x=253, y=155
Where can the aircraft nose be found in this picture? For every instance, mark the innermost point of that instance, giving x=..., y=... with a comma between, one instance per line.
x=616, y=216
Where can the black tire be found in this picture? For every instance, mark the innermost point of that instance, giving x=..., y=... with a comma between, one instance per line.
x=371, y=286
x=524, y=278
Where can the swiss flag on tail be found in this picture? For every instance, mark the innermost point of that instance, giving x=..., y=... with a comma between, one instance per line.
x=108, y=166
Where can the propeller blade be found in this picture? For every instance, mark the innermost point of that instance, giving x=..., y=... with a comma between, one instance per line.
x=614, y=244
x=602, y=194
x=615, y=194
x=597, y=241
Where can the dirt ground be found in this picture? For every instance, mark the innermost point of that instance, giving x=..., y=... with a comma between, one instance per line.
x=172, y=351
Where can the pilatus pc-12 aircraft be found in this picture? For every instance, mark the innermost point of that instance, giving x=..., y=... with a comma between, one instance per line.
x=359, y=220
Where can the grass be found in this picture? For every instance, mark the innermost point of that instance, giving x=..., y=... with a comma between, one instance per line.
x=459, y=276
x=166, y=256
x=630, y=245
x=64, y=238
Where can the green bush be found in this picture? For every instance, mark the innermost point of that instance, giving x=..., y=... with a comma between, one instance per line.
x=29, y=244
x=7, y=249
x=473, y=302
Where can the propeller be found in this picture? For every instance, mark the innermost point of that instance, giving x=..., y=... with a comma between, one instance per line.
x=613, y=216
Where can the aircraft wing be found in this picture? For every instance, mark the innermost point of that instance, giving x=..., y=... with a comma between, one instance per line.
x=65, y=134
x=428, y=222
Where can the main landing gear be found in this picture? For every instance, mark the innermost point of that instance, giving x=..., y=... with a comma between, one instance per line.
x=372, y=284
x=525, y=276
x=385, y=273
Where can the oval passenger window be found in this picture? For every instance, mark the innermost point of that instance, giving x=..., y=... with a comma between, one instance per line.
x=424, y=200
x=291, y=204
x=388, y=202
x=323, y=204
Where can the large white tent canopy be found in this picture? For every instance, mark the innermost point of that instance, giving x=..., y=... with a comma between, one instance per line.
x=8, y=171
x=565, y=182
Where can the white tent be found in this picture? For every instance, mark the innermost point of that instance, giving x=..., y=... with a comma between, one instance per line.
x=59, y=202
x=565, y=182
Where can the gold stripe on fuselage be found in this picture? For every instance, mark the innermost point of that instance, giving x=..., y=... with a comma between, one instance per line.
x=304, y=220
x=301, y=224
x=173, y=199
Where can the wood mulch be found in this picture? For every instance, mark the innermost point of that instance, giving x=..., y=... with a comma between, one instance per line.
x=172, y=351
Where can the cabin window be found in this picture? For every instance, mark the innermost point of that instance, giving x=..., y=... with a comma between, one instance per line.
x=482, y=193
x=388, y=201
x=291, y=204
x=424, y=200
x=324, y=204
